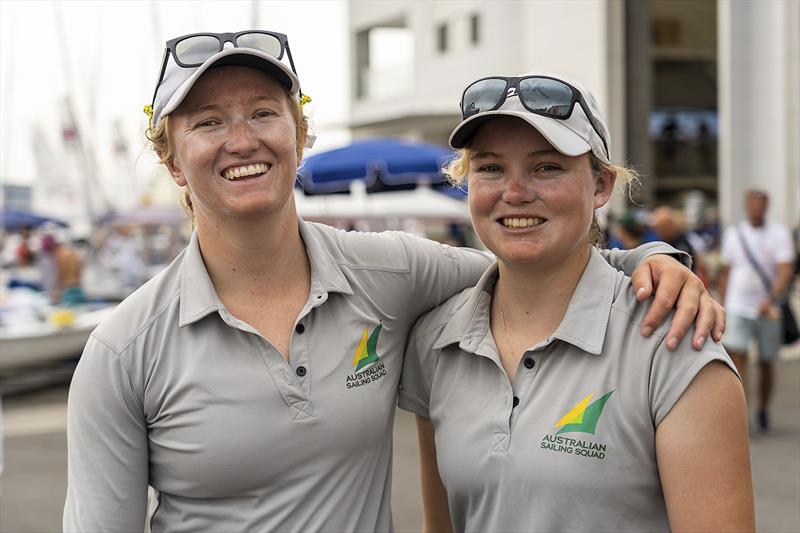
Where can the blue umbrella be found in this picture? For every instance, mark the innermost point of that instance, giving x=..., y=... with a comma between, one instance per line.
x=375, y=161
x=15, y=219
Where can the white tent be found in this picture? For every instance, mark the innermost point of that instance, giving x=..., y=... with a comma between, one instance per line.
x=421, y=204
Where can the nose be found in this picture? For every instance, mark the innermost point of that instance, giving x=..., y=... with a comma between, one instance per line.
x=241, y=138
x=518, y=190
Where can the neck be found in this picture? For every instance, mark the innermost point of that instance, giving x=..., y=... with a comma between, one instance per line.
x=756, y=222
x=253, y=257
x=535, y=297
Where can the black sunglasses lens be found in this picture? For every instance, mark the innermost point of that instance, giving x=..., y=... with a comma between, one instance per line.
x=195, y=50
x=264, y=42
x=546, y=96
x=483, y=96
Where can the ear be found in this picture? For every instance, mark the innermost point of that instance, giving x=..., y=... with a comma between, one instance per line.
x=175, y=172
x=603, y=186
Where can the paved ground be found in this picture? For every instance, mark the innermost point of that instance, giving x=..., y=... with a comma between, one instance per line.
x=34, y=482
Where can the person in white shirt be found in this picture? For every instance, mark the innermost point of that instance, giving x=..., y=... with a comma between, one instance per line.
x=752, y=297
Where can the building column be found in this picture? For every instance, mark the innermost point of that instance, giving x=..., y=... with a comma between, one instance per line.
x=759, y=106
x=639, y=92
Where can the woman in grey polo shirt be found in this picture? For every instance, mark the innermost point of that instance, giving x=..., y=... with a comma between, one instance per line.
x=545, y=408
x=253, y=382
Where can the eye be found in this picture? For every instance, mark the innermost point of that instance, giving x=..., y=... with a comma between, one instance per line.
x=490, y=168
x=263, y=113
x=548, y=167
x=206, y=123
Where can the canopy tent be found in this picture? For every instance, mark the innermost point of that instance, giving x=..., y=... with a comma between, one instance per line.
x=376, y=162
x=148, y=216
x=16, y=219
x=422, y=204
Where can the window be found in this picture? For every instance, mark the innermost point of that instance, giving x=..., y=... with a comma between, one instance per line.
x=441, y=38
x=474, y=29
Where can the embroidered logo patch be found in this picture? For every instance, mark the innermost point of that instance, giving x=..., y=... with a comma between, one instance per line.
x=582, y=418
x=367, y=364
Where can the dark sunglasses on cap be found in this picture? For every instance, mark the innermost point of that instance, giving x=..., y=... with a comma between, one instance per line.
x=193, y=50
x=542, y=95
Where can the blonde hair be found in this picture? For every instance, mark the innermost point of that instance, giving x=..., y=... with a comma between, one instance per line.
x=627, y=178
x=162, y=144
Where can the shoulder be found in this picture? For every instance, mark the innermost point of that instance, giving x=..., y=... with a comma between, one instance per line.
x=628, y=311
x=430, y=327
x=140, y=311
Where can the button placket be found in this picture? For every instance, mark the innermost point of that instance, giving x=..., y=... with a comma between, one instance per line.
x=523, y=383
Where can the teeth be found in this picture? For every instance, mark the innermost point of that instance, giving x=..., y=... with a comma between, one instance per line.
x=522, y=222
x=249, y=170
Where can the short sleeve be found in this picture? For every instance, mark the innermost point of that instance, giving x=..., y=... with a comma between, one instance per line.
x=726, y=251
x=672, y=372
x=419, y=365
x=106, y=446
x=439, y=271
x=784, y=248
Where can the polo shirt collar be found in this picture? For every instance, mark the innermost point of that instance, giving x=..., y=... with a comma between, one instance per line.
x=470, y=323
x=326, y=273
x=199, y=298
x=586, y=320
x=584, y=324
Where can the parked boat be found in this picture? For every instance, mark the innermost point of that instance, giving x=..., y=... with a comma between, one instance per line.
x=34, y=333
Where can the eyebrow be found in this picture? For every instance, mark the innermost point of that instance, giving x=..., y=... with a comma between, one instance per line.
x=214, y=106
x=488, y=153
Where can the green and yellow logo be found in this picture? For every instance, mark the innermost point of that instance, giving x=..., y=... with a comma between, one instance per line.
x=367, y=351
x=367, y=365
x=583, y=419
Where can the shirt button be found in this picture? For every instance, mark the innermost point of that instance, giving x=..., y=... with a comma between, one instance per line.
x=529, y=362
x=515, y=402
x=300, y=328
x=301, y=371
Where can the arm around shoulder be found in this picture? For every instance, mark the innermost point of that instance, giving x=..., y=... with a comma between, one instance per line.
x=106, y=446
x=703, y=455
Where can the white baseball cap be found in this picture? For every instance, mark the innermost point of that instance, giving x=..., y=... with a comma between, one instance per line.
x=177, y=81
x=575, y=134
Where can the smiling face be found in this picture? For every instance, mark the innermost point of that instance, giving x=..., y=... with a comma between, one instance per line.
x=530, y=203
x=235, y=145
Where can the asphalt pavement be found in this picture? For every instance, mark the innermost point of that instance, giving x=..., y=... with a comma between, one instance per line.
x=33, y=485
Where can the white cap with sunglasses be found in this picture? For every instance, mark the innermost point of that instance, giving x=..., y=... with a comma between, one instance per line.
x=186, y=58
x=565, y=113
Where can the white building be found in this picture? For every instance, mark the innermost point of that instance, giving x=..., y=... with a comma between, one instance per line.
x=700, y=95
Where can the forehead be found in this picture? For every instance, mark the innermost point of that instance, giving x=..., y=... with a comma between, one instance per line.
x=227, y=84
x=508, y=134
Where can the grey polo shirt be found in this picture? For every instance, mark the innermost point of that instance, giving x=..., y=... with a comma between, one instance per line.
x=571, y=445
x=175, y=392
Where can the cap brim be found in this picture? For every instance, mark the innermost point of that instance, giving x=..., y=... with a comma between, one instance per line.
x=557, y=134
x=245, y=57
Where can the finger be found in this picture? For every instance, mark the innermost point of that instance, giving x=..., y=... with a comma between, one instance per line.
x=706, y=317
x=642, y=281
x=720, y=323
x=666, y=296
x=685, y=313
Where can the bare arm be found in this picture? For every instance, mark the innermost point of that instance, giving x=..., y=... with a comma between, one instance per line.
x=782, y=280
x=436, y=514
x=703, y=456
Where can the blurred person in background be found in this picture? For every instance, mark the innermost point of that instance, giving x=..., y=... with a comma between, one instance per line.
x=757, y=269
x=627, y=232
x=253, y=382
x=501, y=376
x=62, y=267
x=669, y=226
